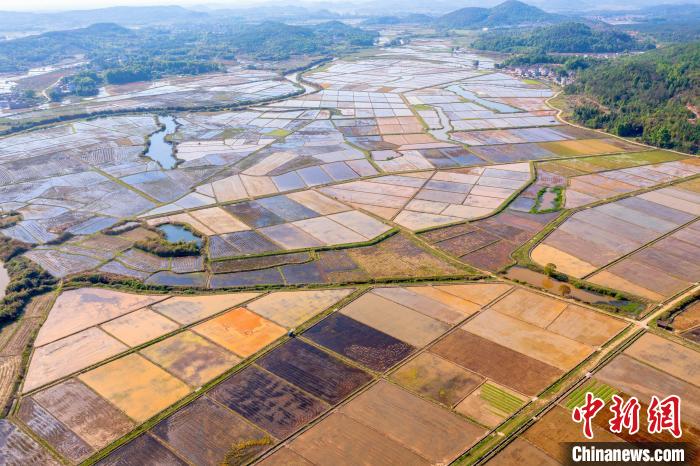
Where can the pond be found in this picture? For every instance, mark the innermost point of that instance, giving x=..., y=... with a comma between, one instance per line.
x=161, y=150
x=177, y=233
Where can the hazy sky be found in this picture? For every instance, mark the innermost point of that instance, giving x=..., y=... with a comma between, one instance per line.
x=55, y=5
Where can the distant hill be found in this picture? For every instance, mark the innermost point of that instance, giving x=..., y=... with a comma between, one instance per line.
x=509, y=13
x=567, y=37
x=180, y=50
x=125, y=16
x=414, y=18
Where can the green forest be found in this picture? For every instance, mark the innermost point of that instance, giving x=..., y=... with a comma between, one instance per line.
x=561, y=38
x=123, y=55
x=644, y=96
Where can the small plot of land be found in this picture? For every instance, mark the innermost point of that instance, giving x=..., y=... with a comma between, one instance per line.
x=526, y=340
x=593, y=238
x=423, y=200
x=386, y=325
x=650, y=366
x=397, y=257
x=137, y=387
x=79, y=416
x=387, y=423
x=279, y=223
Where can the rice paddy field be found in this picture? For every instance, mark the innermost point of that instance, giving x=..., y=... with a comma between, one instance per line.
x=652, y=365
x=349, y=299
x=643, y=244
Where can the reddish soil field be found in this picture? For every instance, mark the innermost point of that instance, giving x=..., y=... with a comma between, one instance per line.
x=503, y=365
x=268, y=401
x=314, y=371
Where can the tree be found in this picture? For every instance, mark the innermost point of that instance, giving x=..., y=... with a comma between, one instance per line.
x=550, y=269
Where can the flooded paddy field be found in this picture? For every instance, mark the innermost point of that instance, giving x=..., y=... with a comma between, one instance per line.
x=348, y=299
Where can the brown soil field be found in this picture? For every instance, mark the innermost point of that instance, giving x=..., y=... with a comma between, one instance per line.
x=691, y=434
x=436, y=378
x=610, y=280
x=191, y=358
x=139, y=327
x=268, y=401
x=530, y=307
x=292, y=308
x=96, y=305
x=586, y=326
x=340, y=440
x=430, y=301
x=689, y=318
x=70, y=354
x=359, y=342
x=493, y=257
x=556, y=427
x=477, y=407
x=136, y=386
x=692, y=335
x=398, y=256
x=670, y=357
x=499, y=363
x=84, y=412
x=53, y=431
x=393, y=319
x=187, y=310
x=9, y=370
x=206, y=433
x=544, y=254
x=432, y=432
x=651, y=278
x=314, y=371
x=480, y=293
x=285, y=456
x=640, y=380
x=142, y=450
x=522, y=453
x=240, y=331
x=528, y=339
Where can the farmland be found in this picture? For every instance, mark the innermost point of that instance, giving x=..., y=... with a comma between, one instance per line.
x=353, y=294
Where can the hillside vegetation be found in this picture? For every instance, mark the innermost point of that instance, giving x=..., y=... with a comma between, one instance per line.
x=509, y=13
x=569, y=37
x=136, y=54
x=649, y=96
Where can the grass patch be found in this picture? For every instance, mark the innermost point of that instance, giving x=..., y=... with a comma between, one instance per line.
x=500, y=399
x=599, y=389
x=279, y=133
x=557, y=204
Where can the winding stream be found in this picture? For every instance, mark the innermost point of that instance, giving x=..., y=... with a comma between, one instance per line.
x=161, y=150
